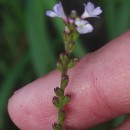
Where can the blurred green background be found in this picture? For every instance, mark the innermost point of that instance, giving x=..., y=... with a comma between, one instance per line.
x=30, y=42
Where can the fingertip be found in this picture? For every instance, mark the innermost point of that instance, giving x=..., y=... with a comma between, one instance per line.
x=30, y=108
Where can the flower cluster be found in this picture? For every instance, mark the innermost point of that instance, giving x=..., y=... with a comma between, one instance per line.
x=81, y=25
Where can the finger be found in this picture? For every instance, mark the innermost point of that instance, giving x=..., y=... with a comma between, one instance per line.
x=99, y=85
x=124, y=126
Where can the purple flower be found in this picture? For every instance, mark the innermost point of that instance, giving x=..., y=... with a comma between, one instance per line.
x=57, y=12
x=83, y=26
x=90, y=11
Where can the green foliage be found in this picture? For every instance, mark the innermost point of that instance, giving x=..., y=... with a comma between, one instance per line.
x=30, y=47
x=43, y=56
x=117, y=15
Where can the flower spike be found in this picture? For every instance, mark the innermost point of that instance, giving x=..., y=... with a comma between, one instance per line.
x=74, y=26
x=57, y=12
x=90, y=11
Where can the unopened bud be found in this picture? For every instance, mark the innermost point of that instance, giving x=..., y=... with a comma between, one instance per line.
x=56, y=101
x=71, y=47
x=71, y=20
x=72, y=63
x=59, y=66
x=66, y=99
x=67, y=30
x=64, y=82
x=64, y=58
x=61, y=115
x=75, y=35
x=73, y=14
x=55, y=126
x=59, y=92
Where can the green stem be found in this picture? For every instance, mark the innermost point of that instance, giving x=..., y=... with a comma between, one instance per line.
x=63, y=75
x=65, y=63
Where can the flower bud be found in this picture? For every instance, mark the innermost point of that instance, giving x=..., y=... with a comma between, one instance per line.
x=67, y=30
x=64, y=82
x=59, y=66
x=71, y=20
x=75, y=35
x=61, y=115
x=59, y=92
x=56, y=101
x=67, y=37
x=66, y=99
x=55, y=126
x=73, y=14
x=71, y=47
x=72, y=63
x=64, y=58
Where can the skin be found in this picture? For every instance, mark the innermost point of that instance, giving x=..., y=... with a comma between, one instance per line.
x=99, y=85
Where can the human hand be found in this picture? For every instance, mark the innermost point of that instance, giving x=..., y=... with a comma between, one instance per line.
x=99, y=85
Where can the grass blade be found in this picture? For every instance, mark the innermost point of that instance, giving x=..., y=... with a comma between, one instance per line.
x=8, y=86
x=43, y=57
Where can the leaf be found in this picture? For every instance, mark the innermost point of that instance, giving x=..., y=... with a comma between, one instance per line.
x=9, y=84
x=42, y=53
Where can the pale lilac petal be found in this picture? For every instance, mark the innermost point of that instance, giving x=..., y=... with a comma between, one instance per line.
x=97, y=11
x=58, y=9
x=73, y=12
x=51, y=14
x=85, y=15
x=71, y=20
x=89, y=6
x=80, y=22
x=85, y=29
x=58, y=12
x=90, y=11
x=83, y=26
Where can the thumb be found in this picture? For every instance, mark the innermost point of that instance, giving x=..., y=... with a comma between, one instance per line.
x=99, y=85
